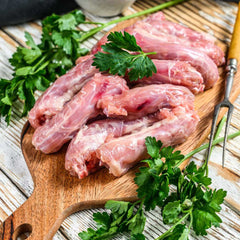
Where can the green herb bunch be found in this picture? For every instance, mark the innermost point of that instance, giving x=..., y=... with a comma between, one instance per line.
x=118, y=58
x=191, y=205
x=36, y=66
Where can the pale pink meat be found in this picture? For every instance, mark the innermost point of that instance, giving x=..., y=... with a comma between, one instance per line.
x=172, y=51
x=140, y=101
x=61, y=91
x=159, y=22
x=176, y=52
x=174, y=72
x=158, y=16
x=209, y=48
x=64, y=125
x=122, y=153
x=81, y=160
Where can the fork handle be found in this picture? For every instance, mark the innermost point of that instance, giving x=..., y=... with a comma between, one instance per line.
x=234, y=50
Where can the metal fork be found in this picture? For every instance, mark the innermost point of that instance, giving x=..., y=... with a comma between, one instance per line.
x=233, y=58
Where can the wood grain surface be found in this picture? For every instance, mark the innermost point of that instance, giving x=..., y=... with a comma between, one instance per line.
x=45, y=201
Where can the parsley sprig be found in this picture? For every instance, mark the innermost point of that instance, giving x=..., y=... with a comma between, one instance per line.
x=118, y=59
x=192, y=205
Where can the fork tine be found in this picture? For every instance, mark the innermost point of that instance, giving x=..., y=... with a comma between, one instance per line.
x=229, y=116
x=213, y=129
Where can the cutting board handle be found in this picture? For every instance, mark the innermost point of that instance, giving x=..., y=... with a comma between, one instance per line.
x=41, y=226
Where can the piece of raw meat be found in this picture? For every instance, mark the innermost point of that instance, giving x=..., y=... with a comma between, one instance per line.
x=64, y=125
x=174, y=72
x=158, y=16
x=81, y=160
x=61, y=91
x=172, y=51
x=177, y=52
x=166, y=31
x=140, y=101
x=158, y=21
x=122, y=153
x=209, y=48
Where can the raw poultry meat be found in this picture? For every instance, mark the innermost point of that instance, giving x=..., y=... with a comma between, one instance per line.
x=140, y=101
x=135, y=104
x=122, y=153
x=64, y=125
x=156, y=27
x=159, y=21
x=190, y=46
x=158, y=16
x=61, y=91
x=209, y=48
x=164, y=111
x=81, y=159
x=174, y=72
x=172, y=51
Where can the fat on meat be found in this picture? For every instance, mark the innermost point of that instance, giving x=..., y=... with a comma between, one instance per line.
x=64, y=125
x=176, y=73
x=61, y=91
x=140, y=101
x=209, y=48
x=122, y=153
x=81, y=159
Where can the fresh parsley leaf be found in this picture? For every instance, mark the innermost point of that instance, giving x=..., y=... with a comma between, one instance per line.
x=171, y=156
x=204, y=219
x=117, y=207
x=171, y=211
x=217, y=199
x=125, y=41
x=102, y=219
x=136, y=223
x=204, y=213
x=180, y=232
x=32, y=53
x=197, y=175
x=153, y=146
x=71, y=20
x=152, y=188
x=139, y=236
x=118, y=60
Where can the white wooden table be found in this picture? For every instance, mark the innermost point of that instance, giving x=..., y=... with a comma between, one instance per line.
x=16, y=184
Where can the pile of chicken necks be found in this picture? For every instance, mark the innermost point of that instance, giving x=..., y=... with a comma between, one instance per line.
x=107, y=118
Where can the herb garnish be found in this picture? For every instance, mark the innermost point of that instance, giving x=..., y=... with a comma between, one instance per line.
x=118, y=59
x=191, y=205
x=38, y=65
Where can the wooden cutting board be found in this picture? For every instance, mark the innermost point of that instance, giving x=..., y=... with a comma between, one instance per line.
x=57, y=194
